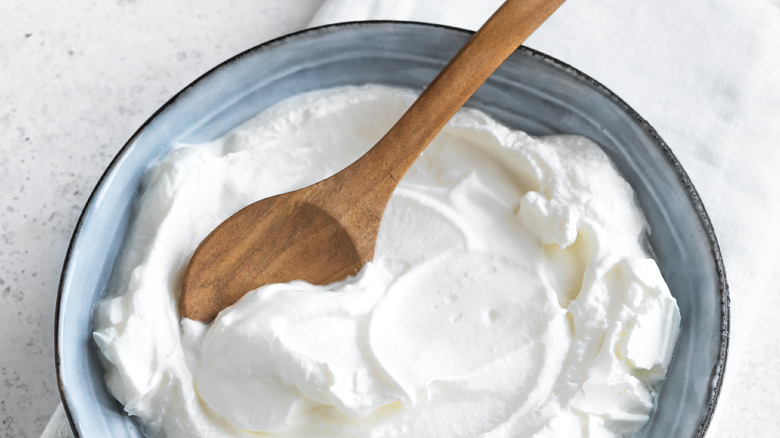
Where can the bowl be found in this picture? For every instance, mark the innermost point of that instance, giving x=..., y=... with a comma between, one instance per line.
x=530, y=91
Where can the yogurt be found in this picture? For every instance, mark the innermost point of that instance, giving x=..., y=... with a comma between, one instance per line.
x=511, y=294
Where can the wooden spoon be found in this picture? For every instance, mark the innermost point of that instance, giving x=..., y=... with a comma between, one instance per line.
x=326, y=232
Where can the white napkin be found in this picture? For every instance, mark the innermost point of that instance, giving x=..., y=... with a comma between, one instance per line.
x=468, y=14
x=58, y=426
x=706, y=75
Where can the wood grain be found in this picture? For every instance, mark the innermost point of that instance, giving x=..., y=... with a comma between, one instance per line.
x=327, y=232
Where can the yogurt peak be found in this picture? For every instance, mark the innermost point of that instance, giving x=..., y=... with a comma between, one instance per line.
x=510, y=295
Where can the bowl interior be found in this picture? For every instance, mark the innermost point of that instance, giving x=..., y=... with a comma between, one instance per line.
x=531, y=92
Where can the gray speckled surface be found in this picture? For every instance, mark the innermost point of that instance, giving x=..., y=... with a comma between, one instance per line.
x=78, y=78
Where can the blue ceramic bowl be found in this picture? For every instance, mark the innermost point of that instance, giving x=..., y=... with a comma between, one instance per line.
x=531, y=92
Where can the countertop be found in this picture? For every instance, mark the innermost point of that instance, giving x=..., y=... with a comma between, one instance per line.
x=78, y=78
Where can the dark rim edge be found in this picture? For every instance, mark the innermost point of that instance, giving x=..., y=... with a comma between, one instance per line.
x=112, y=165
x=718, y=371
x=716, y=379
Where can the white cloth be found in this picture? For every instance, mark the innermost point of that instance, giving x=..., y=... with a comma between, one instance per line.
x=58, y=426
x=706, y=75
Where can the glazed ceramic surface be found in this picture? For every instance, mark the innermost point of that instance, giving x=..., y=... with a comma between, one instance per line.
x=531, y=92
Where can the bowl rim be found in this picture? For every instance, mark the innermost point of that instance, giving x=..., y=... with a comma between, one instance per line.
x=716, y=378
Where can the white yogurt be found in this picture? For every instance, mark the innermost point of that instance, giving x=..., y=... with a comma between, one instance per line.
x=510, y=294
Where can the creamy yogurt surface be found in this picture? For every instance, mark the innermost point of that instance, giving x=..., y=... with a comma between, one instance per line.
x=511, y=294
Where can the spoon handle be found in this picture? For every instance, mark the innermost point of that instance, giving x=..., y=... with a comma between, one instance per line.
x=384, y=165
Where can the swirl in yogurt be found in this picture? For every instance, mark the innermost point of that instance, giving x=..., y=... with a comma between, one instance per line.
x=510, y=294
